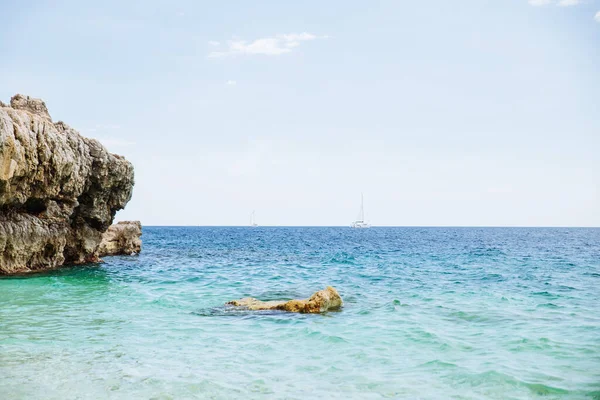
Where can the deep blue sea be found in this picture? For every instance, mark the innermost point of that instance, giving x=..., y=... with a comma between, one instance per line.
x=430, y=313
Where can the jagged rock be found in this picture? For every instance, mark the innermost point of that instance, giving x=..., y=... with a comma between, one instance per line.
x=328, y=299
x=121, y=238
x=34, y=106
x=59, y=191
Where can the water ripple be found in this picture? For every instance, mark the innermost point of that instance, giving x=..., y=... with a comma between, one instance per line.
x=466, y=313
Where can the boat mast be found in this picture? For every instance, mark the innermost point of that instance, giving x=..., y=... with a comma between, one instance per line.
x=362, y=209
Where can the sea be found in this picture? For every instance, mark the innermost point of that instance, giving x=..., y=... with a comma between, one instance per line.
x=429, y=313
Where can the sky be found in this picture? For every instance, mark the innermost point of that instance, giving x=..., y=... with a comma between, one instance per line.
x=443, y=113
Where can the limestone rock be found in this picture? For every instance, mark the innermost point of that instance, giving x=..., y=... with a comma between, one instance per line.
x=121, y=238
x=321, y=301
x=34, y=106
x=59, y=191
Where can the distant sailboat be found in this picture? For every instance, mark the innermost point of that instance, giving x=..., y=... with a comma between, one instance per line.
x=253, y=223
x=360, y=221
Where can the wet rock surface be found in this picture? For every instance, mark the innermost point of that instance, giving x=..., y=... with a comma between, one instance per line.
x=321, y=301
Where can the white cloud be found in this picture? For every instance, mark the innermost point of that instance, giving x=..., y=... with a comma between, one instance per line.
x=597, y=16
x=270, y=46
x=295, y=37
x=567, y=3
x=561, y=3
x=231, y=83
x=213, y=43
x=537, y=3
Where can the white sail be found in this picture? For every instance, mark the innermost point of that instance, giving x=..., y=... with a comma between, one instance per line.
x=253, y=223
x=361, y=213
x=360, y=221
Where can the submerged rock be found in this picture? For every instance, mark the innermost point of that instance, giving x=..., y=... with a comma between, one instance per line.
x=321, y=301
x=59, y=191
x=121, y=238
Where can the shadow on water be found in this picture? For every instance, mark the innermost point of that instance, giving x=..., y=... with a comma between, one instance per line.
x=87, y=279
x=56, y=290
x=241, y=312
x=230, y=311
x=83, y=271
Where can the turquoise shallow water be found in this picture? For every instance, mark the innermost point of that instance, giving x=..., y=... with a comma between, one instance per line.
x=430, y=313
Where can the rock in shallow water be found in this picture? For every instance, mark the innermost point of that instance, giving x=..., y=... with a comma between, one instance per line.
x=123, y=238
x=59, y=191
x=321, y=301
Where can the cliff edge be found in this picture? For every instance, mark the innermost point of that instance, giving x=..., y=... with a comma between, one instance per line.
x=59, y=191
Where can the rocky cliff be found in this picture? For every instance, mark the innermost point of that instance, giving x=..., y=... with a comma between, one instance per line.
x=59, y=191
x=123, y=238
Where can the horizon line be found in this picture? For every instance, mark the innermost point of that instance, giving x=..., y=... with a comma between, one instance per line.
x=377, y=226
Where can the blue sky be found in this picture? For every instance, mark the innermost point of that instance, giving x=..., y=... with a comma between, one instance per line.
x=442, y=112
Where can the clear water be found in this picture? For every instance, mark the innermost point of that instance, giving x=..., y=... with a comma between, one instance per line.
x=431, y=313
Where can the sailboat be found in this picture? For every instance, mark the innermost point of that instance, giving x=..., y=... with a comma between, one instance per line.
x=360, y=221
x=253, y=223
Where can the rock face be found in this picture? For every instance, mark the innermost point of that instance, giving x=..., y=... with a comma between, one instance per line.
x=121, y=238
x=59, y=191
x=328, y=299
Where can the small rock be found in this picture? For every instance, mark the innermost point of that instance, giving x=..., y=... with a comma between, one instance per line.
x=123, y=238
x=321, y=301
